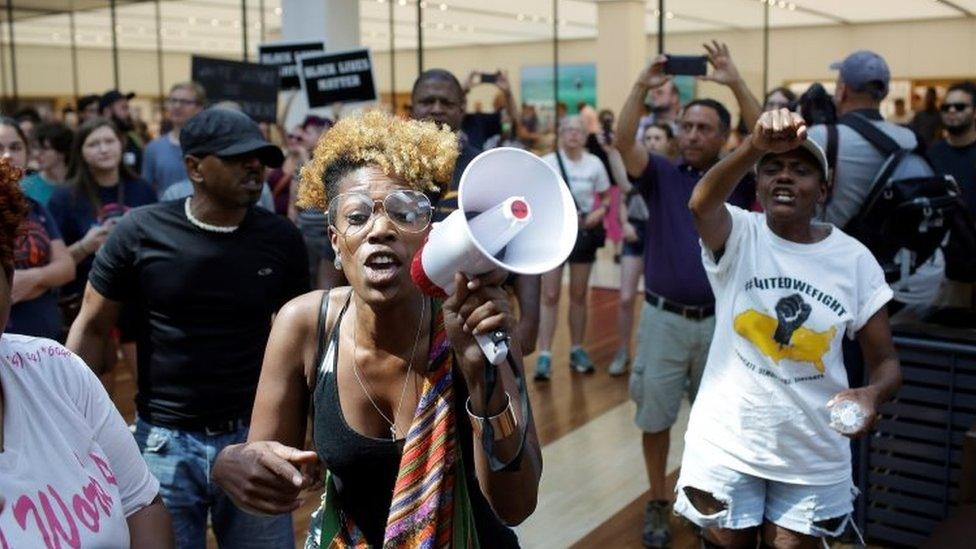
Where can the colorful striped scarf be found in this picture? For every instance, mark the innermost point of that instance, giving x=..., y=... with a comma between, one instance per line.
x=430, y=506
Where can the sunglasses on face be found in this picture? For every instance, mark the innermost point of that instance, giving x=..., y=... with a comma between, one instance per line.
x=957, y=107
x=409, y=210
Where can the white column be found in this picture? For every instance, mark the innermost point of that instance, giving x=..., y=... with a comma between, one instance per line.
x=621, y=50
x=334, y=21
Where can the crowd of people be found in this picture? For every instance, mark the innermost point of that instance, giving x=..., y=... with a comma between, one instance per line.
x=248, y=285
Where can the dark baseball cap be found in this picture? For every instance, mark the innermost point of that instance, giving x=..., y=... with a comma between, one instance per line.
x=317, y=121
x=225, y=132
x=86, y=100
x=111, y=96
x=863, y=67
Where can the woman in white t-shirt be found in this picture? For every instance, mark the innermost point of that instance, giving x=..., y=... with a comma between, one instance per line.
x=70, y=470
x=588, y=180
x=761, y=460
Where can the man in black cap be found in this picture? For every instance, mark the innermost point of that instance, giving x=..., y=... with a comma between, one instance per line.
x=209, y=272
x=114, y=105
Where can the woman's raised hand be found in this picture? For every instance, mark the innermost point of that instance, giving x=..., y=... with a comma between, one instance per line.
x=779, y=131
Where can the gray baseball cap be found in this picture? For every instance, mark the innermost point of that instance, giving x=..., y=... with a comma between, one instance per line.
x=863, y=67
x=813, y=150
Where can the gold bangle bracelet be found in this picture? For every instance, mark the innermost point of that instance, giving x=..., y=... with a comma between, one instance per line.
x=503, y=424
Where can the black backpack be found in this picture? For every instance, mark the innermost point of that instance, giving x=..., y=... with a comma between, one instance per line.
x=910, y=207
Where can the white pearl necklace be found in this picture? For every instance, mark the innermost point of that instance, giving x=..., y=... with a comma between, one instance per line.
x=206, y=226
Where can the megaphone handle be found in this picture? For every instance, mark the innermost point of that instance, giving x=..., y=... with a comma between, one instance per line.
x=494, y=345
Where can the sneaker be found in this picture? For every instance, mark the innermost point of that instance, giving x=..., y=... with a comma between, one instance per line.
x=656, y=531
x=543, y=366
x=620, y=363
x=580, y=362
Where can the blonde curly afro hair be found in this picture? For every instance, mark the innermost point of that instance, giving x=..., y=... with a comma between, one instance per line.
x=419, y=154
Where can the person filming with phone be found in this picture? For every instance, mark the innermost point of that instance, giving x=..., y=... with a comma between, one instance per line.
x=480, y=127
x=677, y=319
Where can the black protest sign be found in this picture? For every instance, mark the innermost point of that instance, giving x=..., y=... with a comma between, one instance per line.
x=331, y=77
x=252, y=86
x=284, y=55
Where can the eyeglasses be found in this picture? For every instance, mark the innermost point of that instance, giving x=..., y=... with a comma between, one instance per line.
x=959, y=107
x=176, y=101
x=409, y=210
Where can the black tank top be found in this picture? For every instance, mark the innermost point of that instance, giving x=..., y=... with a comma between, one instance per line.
x=364, y=469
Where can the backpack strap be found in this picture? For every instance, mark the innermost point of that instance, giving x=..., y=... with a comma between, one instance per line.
x=871, y=133
x=831, y=151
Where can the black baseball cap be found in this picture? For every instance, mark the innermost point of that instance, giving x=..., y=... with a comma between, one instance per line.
x=225, y=132
x=111, y=96
x=86, y=100
x=317, y=121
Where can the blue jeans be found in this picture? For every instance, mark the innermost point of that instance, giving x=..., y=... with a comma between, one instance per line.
x=182, y=461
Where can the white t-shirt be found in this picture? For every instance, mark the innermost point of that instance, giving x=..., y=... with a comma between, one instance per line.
x=70, y=471
x=587, y=177
x=781, y=309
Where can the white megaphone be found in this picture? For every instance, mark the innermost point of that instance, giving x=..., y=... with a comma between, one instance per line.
x=514, y=212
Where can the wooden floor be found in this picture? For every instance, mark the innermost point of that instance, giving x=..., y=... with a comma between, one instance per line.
x=565, y=403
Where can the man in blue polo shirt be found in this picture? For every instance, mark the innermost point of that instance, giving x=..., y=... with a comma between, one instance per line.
x=677, y=319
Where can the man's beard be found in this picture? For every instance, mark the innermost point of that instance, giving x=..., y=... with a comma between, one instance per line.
x=960, y=129
x=123, y=125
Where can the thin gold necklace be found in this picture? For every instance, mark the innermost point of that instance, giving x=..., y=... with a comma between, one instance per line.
x=406, y=380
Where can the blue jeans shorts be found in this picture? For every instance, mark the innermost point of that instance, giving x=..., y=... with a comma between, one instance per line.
x=747, y=501
x=183, y=461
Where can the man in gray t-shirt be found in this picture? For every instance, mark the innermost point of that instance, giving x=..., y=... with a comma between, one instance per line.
x=862, y=82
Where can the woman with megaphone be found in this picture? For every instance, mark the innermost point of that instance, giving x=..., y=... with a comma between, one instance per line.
x=423, y=442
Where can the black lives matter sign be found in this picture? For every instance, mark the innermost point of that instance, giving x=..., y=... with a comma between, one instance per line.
x=331, y=77
x=284, y=55
x=252, y=86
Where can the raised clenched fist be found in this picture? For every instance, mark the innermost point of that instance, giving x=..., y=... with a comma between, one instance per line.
x=791, y=313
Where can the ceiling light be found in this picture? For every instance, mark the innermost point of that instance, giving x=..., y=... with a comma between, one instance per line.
x=257, y=25
x=277, y=11
x=237, y=24
x=657, y=13
x=521, y=17
x=402, y=2
x=214, y=22
x=443, y=7
x=423, y=5
x=55, y=36
x=782, y=3
x=669, y=15
x=379, y=1
x=792, y=6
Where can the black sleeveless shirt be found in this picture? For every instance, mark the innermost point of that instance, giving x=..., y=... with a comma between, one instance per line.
x=364, y=469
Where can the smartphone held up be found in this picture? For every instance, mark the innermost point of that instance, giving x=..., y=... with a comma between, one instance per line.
x=686, y=65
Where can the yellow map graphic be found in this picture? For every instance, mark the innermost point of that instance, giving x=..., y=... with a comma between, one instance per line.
x=805, y=346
